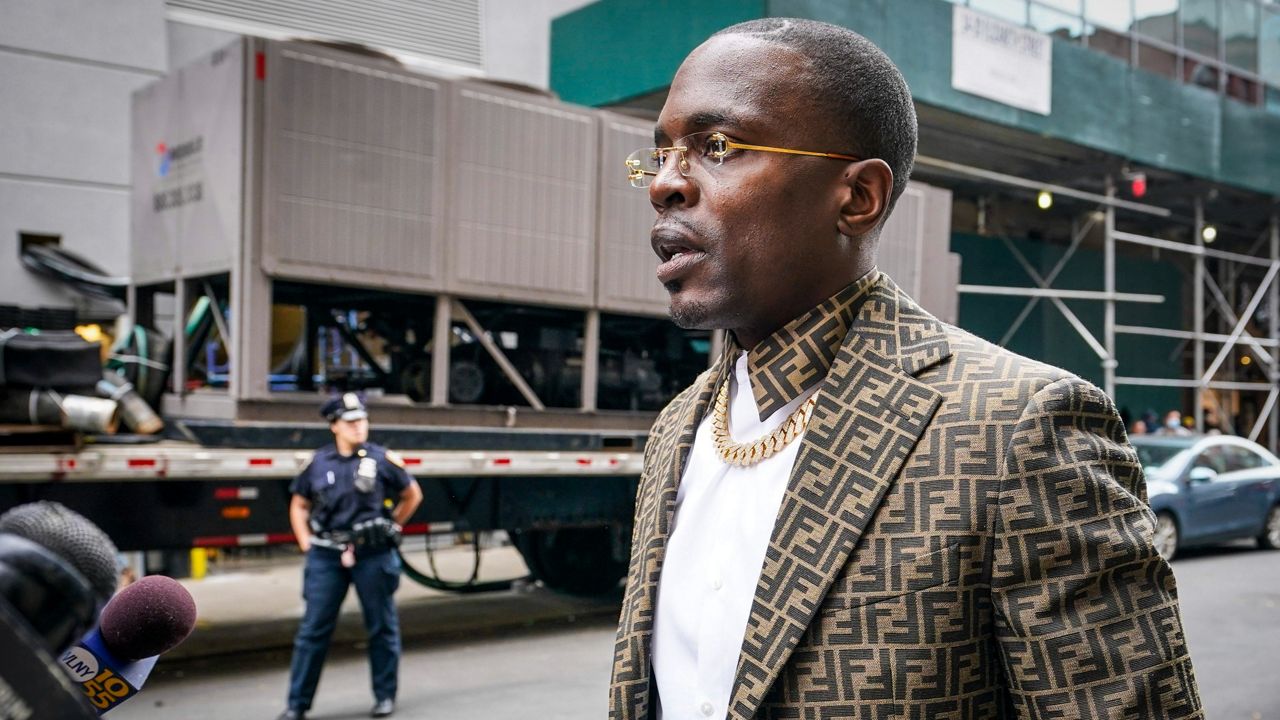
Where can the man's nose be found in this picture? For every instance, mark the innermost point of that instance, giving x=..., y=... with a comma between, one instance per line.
x=671, y=187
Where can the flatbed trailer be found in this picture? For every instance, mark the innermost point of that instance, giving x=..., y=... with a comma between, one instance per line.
x=565, y=498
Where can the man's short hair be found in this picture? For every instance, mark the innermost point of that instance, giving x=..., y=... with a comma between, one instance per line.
x=857, y=83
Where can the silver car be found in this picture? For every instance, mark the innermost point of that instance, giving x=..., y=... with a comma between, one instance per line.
x=1210, y=489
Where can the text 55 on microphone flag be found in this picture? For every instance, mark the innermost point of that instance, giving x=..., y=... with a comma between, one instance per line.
x=106, y=679
x=142, y=621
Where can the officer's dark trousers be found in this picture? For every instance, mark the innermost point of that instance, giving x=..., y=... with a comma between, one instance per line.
x=324, y=585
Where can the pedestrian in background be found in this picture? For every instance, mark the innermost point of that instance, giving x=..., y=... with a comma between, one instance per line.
x=1173, y=425
x=347, y=511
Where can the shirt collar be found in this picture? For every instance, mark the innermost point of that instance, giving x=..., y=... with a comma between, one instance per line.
x=797, y=356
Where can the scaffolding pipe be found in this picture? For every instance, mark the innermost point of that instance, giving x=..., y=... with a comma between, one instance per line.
x=1018, y=291
x=1244, y=320
x=1198, y=249
x=1109, y=309
x=1262, y=415
x=1273, y=436
x=1198, y=317
x=1077, y=237
x=1079, y=326
x=1225, y=306
x=1186, y=383
x=1235, y=272
x=1038, y=185
x=1188, y=335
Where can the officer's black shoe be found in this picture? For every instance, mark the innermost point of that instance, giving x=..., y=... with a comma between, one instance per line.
x=383, y=708
x=293, y=715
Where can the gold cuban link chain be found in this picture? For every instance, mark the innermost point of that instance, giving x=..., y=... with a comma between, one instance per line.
x=746, y=454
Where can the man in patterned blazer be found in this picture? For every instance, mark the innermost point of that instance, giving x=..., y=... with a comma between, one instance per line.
x=859, y=511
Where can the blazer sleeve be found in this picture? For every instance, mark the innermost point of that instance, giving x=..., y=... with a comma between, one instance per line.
x=1086, y=610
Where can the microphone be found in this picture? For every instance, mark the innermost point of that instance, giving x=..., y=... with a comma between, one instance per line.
x=56, y=569
x=144, y=620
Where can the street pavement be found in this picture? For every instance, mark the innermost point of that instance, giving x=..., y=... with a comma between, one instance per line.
x=258, y=606
x=1230, y=600
x=532, y=653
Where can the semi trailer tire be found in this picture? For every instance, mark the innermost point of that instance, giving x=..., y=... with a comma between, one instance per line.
x=573, y=560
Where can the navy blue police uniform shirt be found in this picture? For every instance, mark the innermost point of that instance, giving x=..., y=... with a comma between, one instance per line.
x=329, y=484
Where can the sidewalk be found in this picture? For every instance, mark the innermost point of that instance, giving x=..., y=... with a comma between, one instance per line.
x=258, y=607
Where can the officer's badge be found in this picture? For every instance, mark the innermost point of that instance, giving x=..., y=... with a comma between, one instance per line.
x=366, y=474
x=394, y=458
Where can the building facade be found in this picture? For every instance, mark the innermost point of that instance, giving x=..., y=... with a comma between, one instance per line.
x=68, y=69
x=1113, y=164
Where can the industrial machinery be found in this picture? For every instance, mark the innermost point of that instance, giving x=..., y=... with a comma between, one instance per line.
x=469, y=256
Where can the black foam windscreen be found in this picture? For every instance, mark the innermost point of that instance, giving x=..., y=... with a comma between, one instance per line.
x=32, y=683
x=69, y=535
x=53, y=597
x=149, y=617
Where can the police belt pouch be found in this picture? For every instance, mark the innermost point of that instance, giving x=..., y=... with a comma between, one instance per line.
x=367, y=536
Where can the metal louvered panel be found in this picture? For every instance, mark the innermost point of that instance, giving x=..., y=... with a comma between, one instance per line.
x=902, y=241
x=351, y=170
x=522, y=197
x=626, y=277
x=915, y=245
x=445, y=29
x=187, y=169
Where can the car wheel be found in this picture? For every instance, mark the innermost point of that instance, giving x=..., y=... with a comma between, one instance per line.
x=1270, y=537
x=1166, y=538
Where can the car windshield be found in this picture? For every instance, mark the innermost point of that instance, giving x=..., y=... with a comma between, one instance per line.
x=1158, y=458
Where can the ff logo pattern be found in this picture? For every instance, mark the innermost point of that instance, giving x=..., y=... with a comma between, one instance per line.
x=964, y=536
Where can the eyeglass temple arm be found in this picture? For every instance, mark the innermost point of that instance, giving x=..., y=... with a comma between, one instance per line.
x=766, y=148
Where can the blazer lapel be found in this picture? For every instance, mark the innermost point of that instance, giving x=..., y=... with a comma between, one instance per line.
x=869, y=415
x=669, y=444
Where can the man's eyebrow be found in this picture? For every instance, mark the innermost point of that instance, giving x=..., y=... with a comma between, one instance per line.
x=702, y=120
x=712, y=118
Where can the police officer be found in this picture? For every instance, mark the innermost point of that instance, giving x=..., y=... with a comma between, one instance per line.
x=347, y=510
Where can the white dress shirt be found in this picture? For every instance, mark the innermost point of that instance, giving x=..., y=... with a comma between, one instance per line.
x=724, y=517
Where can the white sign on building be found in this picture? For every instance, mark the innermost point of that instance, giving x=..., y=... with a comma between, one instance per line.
x=1000, y=61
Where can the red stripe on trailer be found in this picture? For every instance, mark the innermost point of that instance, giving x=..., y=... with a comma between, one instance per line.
x=412, y=460
x=216, y=541
x=614, y=461
x=502, y=461
x=141, y=462
x=417, y=529
x=226, y=493
x=238, y=540
x=584, y=461
x=260, y=462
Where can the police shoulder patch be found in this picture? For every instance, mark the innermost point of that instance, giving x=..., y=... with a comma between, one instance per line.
x=394, y=458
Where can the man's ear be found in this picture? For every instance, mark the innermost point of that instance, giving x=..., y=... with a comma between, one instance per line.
x=868, y=185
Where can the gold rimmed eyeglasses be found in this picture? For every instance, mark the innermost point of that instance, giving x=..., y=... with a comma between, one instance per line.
x=706, y=150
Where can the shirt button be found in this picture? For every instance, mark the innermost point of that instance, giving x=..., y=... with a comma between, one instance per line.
x=716, y=584
x=706, y=709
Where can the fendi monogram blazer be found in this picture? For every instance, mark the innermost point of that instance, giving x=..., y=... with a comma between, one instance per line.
x=964, y=535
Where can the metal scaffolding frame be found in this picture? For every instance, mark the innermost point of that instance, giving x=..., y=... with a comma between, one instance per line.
x=1205, y=374
x=1266, y=350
